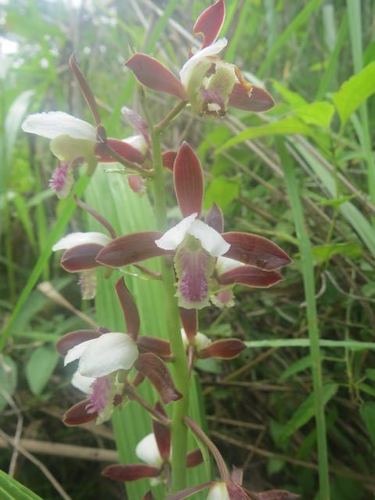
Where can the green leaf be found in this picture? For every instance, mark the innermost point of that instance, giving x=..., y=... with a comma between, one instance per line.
x=305, y=411
x=285, y=126
x=8, y=379
x=318, y=113
x=367, y=412
x=296, y=367
x=323, y=253
x=40, y=367
x=221, y=191
x=10, y=489
x=354, y=92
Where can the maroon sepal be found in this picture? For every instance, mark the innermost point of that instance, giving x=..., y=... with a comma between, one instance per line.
x=188, y=180
x=155, y=370
x=189, y=320
x=255, y=250
x=122, y=148
x=78, y=415
x=162, y=434
x=157, y=346
x=187, y=492
x=130, y=472
x=137, y=184
x=237, y=475
x=194, y=458
x=154, y=75
x=210, y=22
x=255, y=100
x=71, y=339
x=275, y=495
x=168, y=159
x=129, y=308
x=138, y=379
x=131, y=248
x=223, y=349
x=250, y=276
x=80, y=258
x=236, y=492
x=215, y=219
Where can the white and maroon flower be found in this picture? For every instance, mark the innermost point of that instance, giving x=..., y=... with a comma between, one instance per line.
x=104, y=359
x=195, y=244
x=206, y=81
x=80, y=251
x=204, y=347
x=155, y=451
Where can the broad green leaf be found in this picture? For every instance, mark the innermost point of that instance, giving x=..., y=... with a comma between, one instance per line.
x=367, y=412
x=288, y=95
x=10, y=489
x=8, y=379
x=40, y=367
x=306, y=411
x=298, y=366
x=285, y=126
x=354, y=92
x=221, y=191
x=318, y=113
x=323, y=253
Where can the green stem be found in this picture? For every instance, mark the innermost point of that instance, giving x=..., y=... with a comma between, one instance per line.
x=312, y=317
x=180, y=368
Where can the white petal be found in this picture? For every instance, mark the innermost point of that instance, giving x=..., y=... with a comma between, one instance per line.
x=147, y=450
x=108, y=353
x=82, y=383
x=212, y=50
x=225, y=264
x=201, y=341
x=74, y=239
x=56, y=123
x=211, y=240
x=77, y=351
x=218, y=492
x=174, y=236
x=138, y=142
x=184, y=337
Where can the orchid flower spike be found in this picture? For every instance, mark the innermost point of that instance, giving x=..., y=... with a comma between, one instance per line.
x=208, y=83
x=196, y=245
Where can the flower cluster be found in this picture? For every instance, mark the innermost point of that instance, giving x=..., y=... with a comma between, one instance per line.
x=203, y=261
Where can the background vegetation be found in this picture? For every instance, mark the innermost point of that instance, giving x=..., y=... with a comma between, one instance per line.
x=302, y=174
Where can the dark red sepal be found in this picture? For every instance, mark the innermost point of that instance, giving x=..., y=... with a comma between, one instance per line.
x=157, y=346
x=236, y=492
x=210, y=22
x=129, y=308
x=189, y=320
x=155, y=370
x=215, y=219
x=69, y=340
x=78, y=415
x=162, y=434
x=255, y=250
x=80, y=257
x=131, y=248
x=255, y=100
x=188, y=180
x=122, y=148
x=154, y=75
x=187, y=492
x=275, y=495
x=250, y=276
x=168, y=159
x=130, y=472
x=223, y=349
x=194, y=458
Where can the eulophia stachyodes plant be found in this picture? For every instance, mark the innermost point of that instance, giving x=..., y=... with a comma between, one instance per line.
x=200, y=263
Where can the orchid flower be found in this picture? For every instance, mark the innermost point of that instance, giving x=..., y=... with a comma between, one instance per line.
x=155, y=451
x=104, y=360
x=195, y=244
x=208, y=83
x=73, y=139
x=80, y=250
x=204, y=347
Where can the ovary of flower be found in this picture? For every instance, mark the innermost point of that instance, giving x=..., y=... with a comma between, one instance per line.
x=106, y=354
x=209, y=238
x=147, y=450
